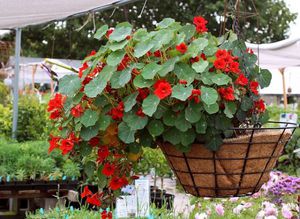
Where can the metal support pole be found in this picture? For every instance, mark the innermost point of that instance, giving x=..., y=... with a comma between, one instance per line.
x=16, y=82
x=285, y=102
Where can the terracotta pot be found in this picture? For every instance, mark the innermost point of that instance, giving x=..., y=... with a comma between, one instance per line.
x=239, y=167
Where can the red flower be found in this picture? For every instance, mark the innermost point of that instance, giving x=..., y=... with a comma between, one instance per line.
x=108, y=32
x=203, y=56
x=94, y=141
x=93, y=52
x=128, y=37
x=157, y=53
x=260, y=106
x=108, y=169
x=56, y=103
x=253, y=87
x=219, y=64
x=182, y=48
x=195, y=95
x=106, y=215
x=221, y=53
x=135, y=71
x=55, y=114
x=149, y=54
x=241, y=80
x=143, y=93
x=77, y=111
x=234, y=67
x=82, y=69
x=140, y=112
x=66, y=146
x=103, y=153
x=227, y=93
x=86, y=192
x=73, y=138
x=162, y=89
x=124, y=63
x=117, y=113
x=200, y=23
x=94, y=200
x=249, y=50
x=117, y=183
x=53, y=143
x=195, y=59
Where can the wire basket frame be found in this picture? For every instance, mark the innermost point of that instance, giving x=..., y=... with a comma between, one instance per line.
x=239, y=168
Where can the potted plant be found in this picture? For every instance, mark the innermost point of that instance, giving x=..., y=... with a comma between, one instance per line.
x=179, y=87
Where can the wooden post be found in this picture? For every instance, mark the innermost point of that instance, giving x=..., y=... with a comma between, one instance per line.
x=281, y=70
x=34, y=68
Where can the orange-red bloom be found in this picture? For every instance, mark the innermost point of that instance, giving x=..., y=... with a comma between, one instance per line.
x=227, y=93
x=162, y=89
x=86, y=192
x=108, y=169
x=253, y=87
x=77, y=111
x=241, y=80
x=182, y=48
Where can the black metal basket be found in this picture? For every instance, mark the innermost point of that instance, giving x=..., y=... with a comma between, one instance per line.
x=239, y=168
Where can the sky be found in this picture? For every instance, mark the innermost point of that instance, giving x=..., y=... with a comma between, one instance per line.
x=294, y=6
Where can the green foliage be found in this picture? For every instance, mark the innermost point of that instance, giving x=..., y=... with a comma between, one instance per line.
x=30, y=160
x=5, y=97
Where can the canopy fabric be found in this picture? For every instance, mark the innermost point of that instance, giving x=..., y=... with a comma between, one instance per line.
x=22, y=13
x=280, y=54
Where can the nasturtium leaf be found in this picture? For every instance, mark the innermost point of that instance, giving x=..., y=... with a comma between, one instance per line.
x=140, y=35
x=246, y=103
x=142, y=47
x=211, y=109
x=145, y=138
x=214, y=142
x=125, y=133
x=101, y=178
x=117, y=45
x=193, y=112
x=168, y=66
x=210, y=50
x=130, y=101
x=89, y=132
x=97, y=85
x=120, y=33
x=125, y=76
x=222, y=122
x=264, y=78
x=201, y=126
x=200, y=66
x=181, y=123
x=166, y=22
x=115, y=79
x=89, y=169
x=89, y=118
x=161, y=38
x=181, y=92
x=150, y=70
x=140, y=82
x=184, y=72
x=220, y=79
x=69, y=85
x=150, y=104
x=172, y=135
x=197, y=46
x=115, y=57
x=104, y=121
x=134, y=121
x=169, y=118
x=188, y=137
x=230, y=109
x=101, y=32
x=206, y=78
x=155, y=127
x=188, y=30
x=209, y=95
x=241, y=115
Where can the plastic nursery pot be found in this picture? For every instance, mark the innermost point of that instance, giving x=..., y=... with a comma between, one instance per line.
x=240, y=167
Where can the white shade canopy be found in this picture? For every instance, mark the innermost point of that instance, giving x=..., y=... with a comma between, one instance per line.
x=282, y=54
x=21, y=13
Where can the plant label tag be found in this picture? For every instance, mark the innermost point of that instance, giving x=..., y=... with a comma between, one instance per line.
x=126, y=206
x=142, y=187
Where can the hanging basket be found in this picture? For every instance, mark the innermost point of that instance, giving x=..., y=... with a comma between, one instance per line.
x=240, y=167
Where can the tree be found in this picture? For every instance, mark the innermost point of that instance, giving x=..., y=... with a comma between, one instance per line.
x=62, y=40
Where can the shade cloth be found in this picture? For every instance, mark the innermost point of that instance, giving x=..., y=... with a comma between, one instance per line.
x=21, y=13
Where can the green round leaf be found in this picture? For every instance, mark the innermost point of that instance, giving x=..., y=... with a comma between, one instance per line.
x=169, y=118
x=181, y=92
x=150, y=70
x=172, y=135
x=209, y=95
x=120, y=33
x=140, y=82
x=155, y=127
x=181, y=123
x=69, y=85
x=115, y=57
x=89, y=118
x=200, y=66
x=211, y=109
x=193, y=112
x=150, y=104
x=125, y=133
x=188, y=137
x=101, y=32
x=220, y=79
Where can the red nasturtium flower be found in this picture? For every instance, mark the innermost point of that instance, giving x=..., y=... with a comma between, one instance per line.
x=182, y=48
x=55, y=106
x=195, y=95
x=117, y=183
x=66, y=146
x=124, y=63
x=157, y=53
x=162, y=89
x=117, y=113
x=108, y=169
x=94, y=199
x=77, y=111
x=108, y=32
x=253, y=87
x=95, y=141
x=82, y=69
x=106, y=215
x=227, y=93
x=260, y=106
x=200, y=24
x=241, y=80
x=219, y=64
x=86, y=192
x=103, y=153
x=140, y=112
x=143, y=93
x=53, y=143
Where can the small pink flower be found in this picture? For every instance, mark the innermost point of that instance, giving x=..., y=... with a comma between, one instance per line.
x=219, y=209
x=234, y=199
x=286, y=212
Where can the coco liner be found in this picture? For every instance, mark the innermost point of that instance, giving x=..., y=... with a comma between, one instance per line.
x=240, y=167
